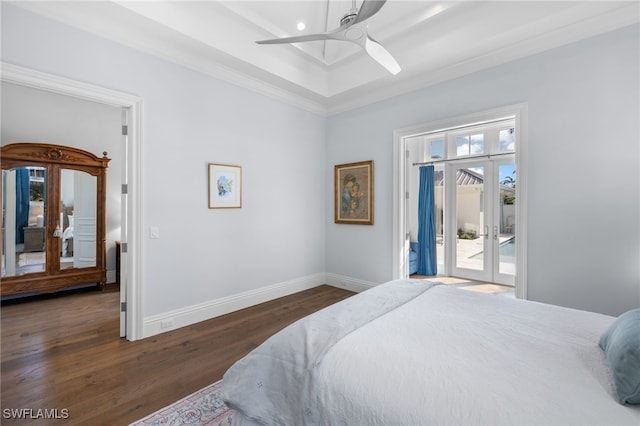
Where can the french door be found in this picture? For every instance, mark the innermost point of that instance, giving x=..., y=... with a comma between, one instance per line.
x=480, y=201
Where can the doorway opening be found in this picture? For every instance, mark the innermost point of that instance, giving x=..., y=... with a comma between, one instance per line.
x=130, y=238
x=478, y=190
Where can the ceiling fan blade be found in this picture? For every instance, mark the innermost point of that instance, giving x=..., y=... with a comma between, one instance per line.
x=368, y=9
x=381, y=55
x=298, y=39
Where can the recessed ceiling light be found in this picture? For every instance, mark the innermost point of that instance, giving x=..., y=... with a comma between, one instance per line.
x=301, y=26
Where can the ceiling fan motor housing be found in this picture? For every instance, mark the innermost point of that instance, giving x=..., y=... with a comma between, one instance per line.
x=348, y=18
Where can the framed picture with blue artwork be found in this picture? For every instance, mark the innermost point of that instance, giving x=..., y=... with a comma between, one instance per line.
x=354, y=193
x=225, y=186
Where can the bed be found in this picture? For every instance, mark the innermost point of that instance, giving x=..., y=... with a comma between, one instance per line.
x=421, y=353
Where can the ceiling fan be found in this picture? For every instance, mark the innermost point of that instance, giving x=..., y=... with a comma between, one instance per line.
x=350, y=30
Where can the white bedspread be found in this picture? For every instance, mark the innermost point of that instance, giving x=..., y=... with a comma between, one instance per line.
x=431, y=355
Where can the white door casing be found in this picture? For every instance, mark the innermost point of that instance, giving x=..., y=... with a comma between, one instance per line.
x=400, y=165
x=131, y=280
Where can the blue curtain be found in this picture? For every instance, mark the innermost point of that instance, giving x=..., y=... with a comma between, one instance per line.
x=22, y=202
x=427, y=263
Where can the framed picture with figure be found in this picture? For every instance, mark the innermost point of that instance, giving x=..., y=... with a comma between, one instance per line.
x=354, y=193
x=225, y=186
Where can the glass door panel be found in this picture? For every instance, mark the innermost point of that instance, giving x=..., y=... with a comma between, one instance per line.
x=506, y=223
x=471, y=224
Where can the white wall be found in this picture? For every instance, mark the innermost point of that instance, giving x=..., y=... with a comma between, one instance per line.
x=32, y=115
x=584, y=168
x=189, y=120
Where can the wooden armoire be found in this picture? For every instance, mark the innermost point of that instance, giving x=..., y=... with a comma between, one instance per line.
x=53, y=218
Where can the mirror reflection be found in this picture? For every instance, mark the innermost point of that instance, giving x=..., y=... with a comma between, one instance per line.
x=23, y=220
x=77, y=219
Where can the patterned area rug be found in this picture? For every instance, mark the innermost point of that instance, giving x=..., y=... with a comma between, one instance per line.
x=203, y=407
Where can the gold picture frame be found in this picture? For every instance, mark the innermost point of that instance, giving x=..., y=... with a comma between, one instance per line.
x=225, y=186
x=353, y=195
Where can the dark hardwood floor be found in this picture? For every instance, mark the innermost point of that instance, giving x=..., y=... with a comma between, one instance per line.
x=64, y=354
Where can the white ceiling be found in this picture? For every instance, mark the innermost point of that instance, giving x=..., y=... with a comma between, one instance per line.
x=432, y=40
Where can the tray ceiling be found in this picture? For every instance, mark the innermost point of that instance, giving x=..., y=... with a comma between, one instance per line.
x=431, y=40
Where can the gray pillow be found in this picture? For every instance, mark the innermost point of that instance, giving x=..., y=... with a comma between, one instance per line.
x=621, y=346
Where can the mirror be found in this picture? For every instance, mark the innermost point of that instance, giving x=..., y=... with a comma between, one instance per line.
x=78, y=219
x=23, y=220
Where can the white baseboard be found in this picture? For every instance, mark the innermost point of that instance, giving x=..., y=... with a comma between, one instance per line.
x=349, y=283
x=171, y=320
